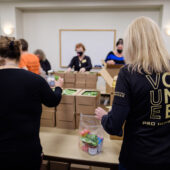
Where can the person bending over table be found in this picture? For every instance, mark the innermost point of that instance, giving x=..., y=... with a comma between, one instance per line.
x=44, y=63
x=22, y=94
x=81, y=62
x=142, y=98
x=116, y=57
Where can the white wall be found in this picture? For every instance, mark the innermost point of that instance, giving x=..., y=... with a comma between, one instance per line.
x=41, y=29
x=19, y=23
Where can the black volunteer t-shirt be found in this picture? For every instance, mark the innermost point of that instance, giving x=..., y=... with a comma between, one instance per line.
x=85, y=63
x=143, y=101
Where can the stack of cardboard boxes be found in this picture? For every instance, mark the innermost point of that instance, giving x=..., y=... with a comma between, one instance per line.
x=87, y=80
x=48, y=116
x=65, y=115
x=86, y=104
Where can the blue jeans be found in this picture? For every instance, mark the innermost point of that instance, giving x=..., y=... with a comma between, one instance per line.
x=121, y=167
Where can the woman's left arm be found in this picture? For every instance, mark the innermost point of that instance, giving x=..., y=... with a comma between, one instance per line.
x=114, y=120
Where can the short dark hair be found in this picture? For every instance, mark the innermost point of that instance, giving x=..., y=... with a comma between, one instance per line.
x=24, y=45
x=120, y=41
x=9, y=48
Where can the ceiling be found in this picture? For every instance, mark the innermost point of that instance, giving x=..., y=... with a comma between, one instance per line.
x=72, y=0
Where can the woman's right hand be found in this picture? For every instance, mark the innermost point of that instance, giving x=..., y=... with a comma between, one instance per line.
x=110, y=62
x=59, y=82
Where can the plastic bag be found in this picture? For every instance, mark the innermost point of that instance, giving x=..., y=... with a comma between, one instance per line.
x=91, y=134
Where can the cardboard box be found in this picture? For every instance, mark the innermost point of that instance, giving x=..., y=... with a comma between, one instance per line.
x=65, y=115
x=111, y=99
x=91, y=80
x=66, y=124
x=60, y=74
x=80, y=85
x=92, y=85
x=87, y=104
x=77, y=120
x=80, y=80
x=79, y=167
x=59, y=165
x=47, y=123
x=45, y=165
x=91, y=77
x=70, y=78
x=69, y=85
x=108, y=73
x=81, y=77
x=48, y=116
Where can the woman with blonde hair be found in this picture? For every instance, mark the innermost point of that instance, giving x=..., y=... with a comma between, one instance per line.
x=142, y=97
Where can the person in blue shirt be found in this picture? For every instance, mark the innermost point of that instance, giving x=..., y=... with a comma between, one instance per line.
x=116, y=57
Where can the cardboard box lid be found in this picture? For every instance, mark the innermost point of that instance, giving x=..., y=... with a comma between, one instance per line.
x=107, y=77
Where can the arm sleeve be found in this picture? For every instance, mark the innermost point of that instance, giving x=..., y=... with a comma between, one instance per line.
x=48, y=66
x=71, y=63
x=49, y=97
x=113, y=122
x=108, y=56
x=89, y=65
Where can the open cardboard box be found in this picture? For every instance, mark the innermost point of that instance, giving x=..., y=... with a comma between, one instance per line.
x=108, y=73
x=87, y=104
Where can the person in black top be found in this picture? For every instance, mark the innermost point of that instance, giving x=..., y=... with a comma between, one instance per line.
x=80, y=62
x=142, y=98
x=116, y=57
x=45, y=65
x=22, y=94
